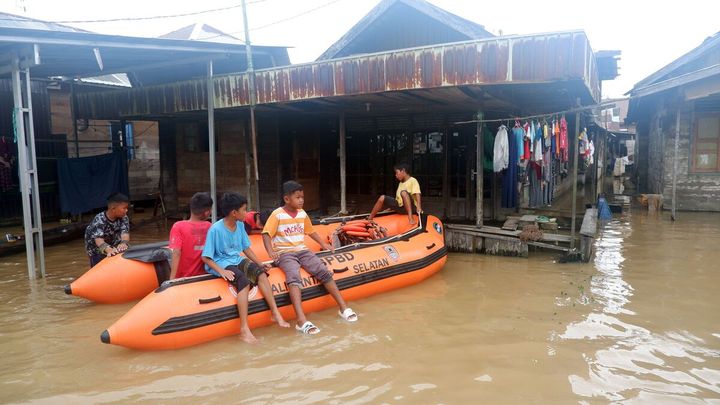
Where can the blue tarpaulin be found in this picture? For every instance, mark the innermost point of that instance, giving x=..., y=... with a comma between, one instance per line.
x=85, y=183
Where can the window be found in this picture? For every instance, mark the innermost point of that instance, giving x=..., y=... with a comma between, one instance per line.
x=195, y=137
x=706, y=144
x=120, y=142
x=130, y=141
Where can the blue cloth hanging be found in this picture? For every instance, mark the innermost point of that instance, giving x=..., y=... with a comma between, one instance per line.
x=85, y=183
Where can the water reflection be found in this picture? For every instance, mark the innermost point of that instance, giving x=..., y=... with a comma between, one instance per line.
x=633, y=363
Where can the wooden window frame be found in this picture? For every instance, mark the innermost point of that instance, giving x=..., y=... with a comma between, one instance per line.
x=694, y=144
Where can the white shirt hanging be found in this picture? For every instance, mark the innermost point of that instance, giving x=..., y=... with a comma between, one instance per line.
x=501, y=150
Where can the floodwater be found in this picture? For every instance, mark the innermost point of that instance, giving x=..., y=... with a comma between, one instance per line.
x=639, y=325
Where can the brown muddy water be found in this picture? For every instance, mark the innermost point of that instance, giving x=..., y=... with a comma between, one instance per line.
x=639, y=325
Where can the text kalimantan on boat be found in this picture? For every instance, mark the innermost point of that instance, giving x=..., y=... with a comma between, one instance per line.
x=194, y=310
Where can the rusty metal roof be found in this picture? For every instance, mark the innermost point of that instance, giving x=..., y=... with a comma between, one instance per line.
x=532, y=62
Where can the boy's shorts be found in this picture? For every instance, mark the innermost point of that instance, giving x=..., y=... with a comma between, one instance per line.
x=246, y=273
x=291, y=262
x=96, y=258
x=391, y=203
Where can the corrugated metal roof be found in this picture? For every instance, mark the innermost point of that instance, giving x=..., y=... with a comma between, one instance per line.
x=532, y=59
x=15, y=21
x=464, y=28
x=202, y=32
x=711, y=42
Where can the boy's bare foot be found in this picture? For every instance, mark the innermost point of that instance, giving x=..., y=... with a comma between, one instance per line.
x=280, y=321
x=412, y=221
x=247, y=337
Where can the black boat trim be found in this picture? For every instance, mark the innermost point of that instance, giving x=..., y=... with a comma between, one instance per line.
x=349, y=248
x=185, y=280
x=200, y=319
x=149, y=252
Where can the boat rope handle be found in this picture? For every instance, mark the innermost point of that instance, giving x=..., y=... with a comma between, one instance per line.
x=430, y=247
x=209, y=300
x=343, y=270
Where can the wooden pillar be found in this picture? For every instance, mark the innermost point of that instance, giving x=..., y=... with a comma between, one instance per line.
x=255, y=195
x=248, y=164
x=675, y=163
x=479, y=172
x=343, y=161
x=73, y=116
x=168, y=163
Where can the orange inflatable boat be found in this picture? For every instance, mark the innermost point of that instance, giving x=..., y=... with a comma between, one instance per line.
x=125, y=277
x=194, y=310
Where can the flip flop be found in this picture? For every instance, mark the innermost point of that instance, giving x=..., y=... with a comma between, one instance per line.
x=349, y=315
x=308, y=328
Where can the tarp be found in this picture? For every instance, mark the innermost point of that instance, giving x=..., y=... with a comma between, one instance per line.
x=85, y=183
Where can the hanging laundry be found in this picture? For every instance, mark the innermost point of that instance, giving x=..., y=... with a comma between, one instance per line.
x=534, y=172
x=538, y=144
x=518, y=138
x=526, y=142
x=630, y=146
x=501, y=150
x=6, y=158
x=563, y=140
x=509, y=182
x=555, y=145
x=548, y=182
x=591, y=153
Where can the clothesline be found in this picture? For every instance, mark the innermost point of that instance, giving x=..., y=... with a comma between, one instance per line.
x=572, y=110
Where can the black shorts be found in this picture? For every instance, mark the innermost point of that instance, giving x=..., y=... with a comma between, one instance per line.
x=246, y=273
x=391, y=203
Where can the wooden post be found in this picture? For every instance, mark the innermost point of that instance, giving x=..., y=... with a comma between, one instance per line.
x=73, y=116
x=248, y=167
x=675, y=164
x=255, y=197
x=479, y=172
x=574, y=179
x=343, y=160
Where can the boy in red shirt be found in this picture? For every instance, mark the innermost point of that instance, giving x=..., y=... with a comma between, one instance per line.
x=255, y=221
x=187, y=238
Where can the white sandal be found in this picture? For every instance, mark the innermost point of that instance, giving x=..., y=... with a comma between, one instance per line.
x=308, y=328
x=348, y=314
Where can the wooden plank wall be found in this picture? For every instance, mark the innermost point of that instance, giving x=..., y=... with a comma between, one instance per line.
x=143, y=170
x=193, y=168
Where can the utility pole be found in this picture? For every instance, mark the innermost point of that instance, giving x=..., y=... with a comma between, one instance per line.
x=253, y=127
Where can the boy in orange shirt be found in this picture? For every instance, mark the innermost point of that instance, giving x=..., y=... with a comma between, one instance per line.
x=284, y=239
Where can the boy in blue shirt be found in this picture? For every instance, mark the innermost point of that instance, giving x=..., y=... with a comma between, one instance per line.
x=225, y=240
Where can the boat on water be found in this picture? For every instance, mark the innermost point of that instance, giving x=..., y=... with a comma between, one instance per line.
x=125, y=277
x=190, y=311
x=51, y=236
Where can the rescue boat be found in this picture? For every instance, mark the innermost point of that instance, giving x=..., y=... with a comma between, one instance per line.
x=195, y=310
x=125, y=277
